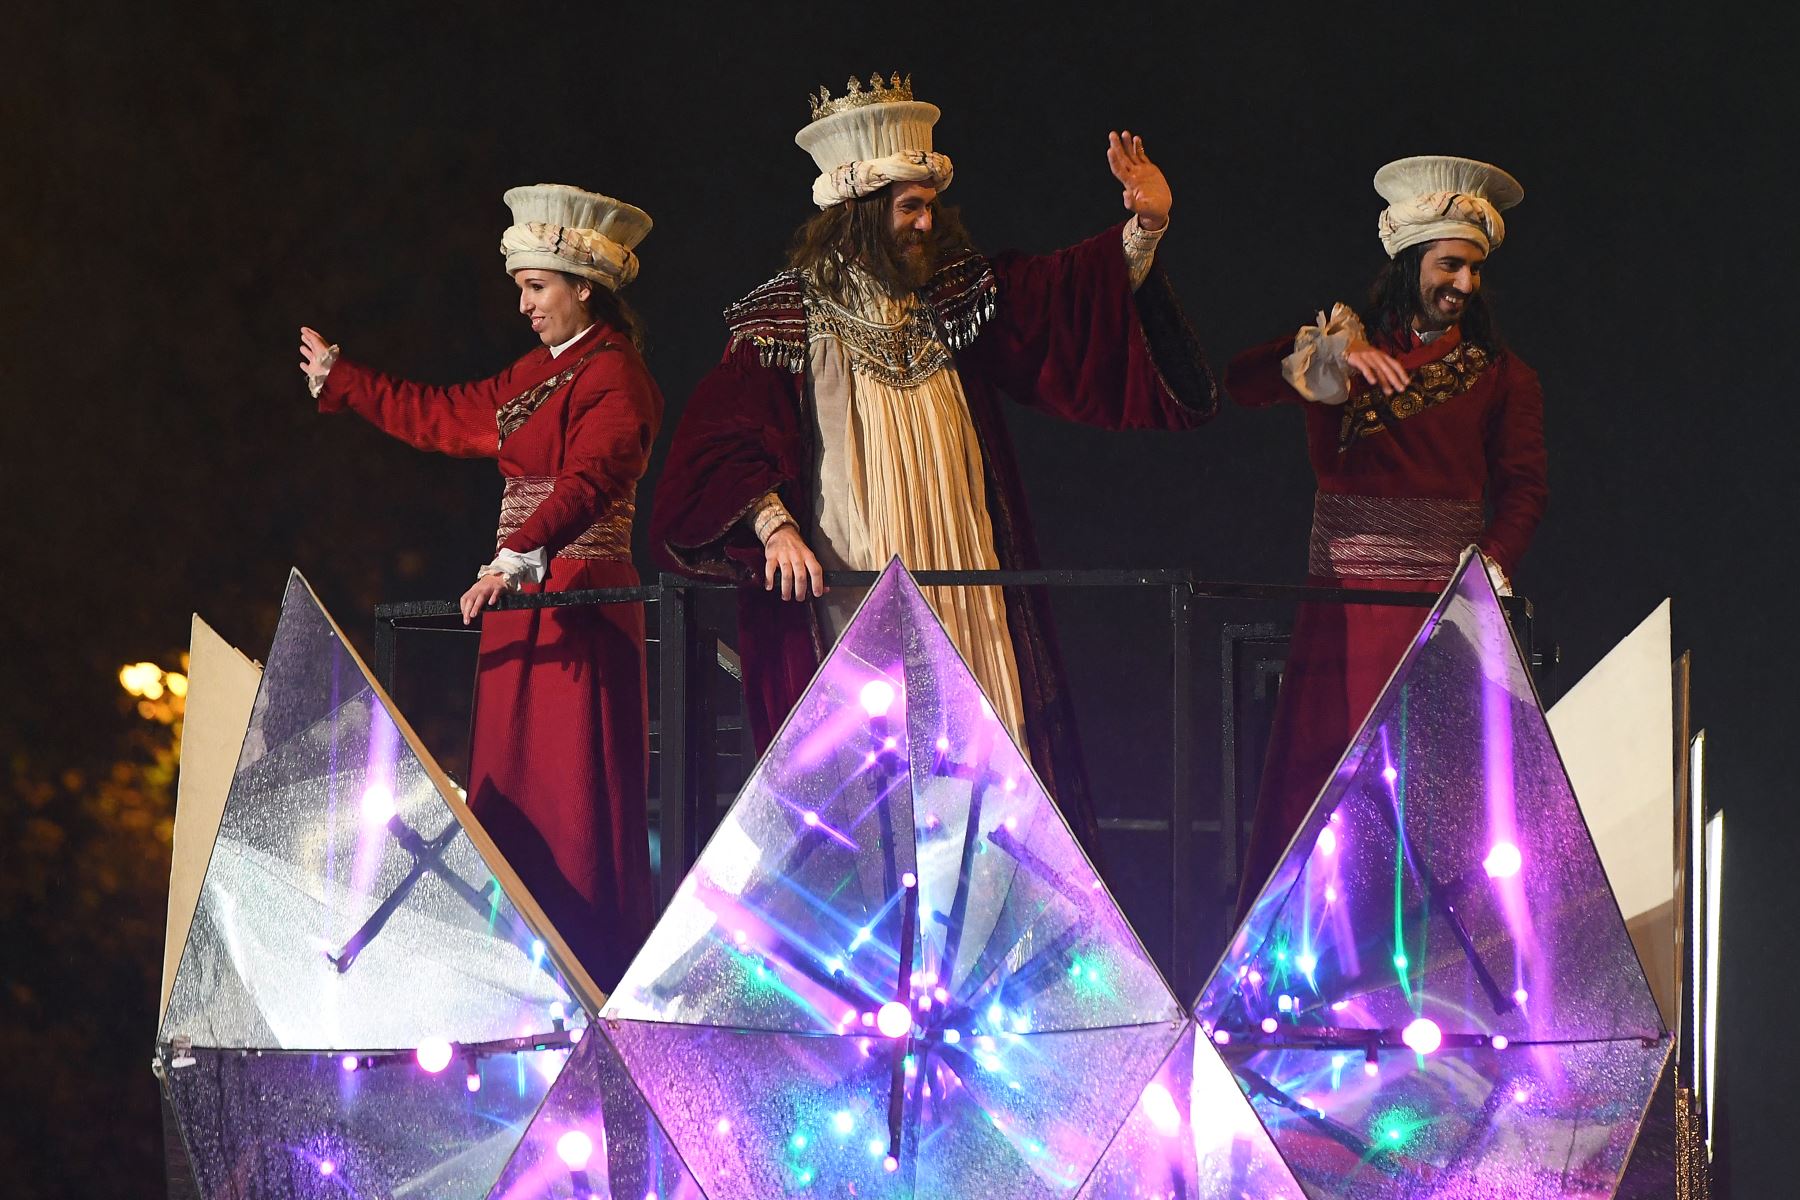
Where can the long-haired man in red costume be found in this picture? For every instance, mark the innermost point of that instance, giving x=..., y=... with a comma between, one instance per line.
x=1426, y=435
x=857, y=411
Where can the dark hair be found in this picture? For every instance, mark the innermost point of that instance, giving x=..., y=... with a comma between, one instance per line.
x=1393, y=303
x=860, y=231
x=606, y=307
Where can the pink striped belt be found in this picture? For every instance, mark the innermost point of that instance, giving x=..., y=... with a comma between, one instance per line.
x=1390, y=537
x=607, y=538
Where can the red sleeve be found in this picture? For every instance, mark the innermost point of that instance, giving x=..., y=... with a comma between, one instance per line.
x=613, y=415
x=457, y=420
x=1070, y=337
x=739, y=439
x=1517, y=467
x=1254, y=380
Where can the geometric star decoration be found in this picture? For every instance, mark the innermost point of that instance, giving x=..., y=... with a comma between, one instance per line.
x=368, y=1002
x=891, y=973
x=1435, y=994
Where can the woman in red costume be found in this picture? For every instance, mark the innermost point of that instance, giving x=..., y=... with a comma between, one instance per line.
x=559, y=754
x=1416, y=415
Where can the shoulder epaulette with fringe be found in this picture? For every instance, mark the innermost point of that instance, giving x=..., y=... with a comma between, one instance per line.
x=772, y=317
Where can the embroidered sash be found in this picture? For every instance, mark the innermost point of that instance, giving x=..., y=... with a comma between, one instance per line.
x=607, y=538
x=515, y=412
x=1390, y=537
x=1436, y=382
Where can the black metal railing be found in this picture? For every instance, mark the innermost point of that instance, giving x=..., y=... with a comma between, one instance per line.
x=687, y=726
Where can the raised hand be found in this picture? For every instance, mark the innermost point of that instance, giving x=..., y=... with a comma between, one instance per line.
x=1146, y=191
x=316, y=354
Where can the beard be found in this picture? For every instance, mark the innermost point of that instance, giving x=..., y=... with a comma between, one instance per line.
x=1433, y=312
x=913, y=259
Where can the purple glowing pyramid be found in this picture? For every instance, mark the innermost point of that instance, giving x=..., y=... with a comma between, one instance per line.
x=368, y=1001
x=892, y=972
x=1435, y=994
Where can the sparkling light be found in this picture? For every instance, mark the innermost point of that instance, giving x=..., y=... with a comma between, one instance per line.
x=378, y=804
x=350, y=1062
x=1269, y=1025
x=433, y=1054
x=909, y=880
x=810, y=817
x=943, y=743
x=1159, y=1106
x=1222, y=1037
x=894, y=1019
x=1328, y=841
x=952, y=1036
x=1389, y=774
x=575, y=1148
x=877, y=697
x=1308, y=963
x=890, y=1164
x=326, y=1166
x=844, y=1121
x=1503, y=861
x=1371, y=1068
x=1423, y=1036
x=1521, y=1095
x=1285, y=1003
x=1499, y=1041
x=1521, y=996
x=473, y=1082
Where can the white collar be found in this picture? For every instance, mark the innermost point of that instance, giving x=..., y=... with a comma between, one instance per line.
x=556, y=351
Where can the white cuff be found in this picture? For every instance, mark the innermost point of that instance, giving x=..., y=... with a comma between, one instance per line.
x=1497, y=577
x=316, y=383
x=1140, y=249
x=517, y=568
x=1316, y=368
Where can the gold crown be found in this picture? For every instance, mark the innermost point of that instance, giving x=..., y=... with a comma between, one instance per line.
x=894, y=90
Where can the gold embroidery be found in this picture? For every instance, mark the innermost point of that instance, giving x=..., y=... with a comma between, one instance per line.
x=902, y=354
x=515, y=412
x=1434, y=383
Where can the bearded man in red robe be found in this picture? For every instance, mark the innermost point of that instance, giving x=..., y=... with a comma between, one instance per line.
x=856, y=414
x=1426, y=435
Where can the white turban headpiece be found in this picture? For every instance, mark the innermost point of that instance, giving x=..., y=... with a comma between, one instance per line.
x=865, y=140
x=1434, y=196
x=561, y=228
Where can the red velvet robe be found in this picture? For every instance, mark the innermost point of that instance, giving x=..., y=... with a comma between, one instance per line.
x=558, y=760
x=1062, y=333
x=1487, y=442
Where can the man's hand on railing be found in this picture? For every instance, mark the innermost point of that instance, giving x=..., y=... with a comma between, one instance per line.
x=785, y=554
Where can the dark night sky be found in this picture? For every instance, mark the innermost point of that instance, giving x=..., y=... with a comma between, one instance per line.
x=186, y=184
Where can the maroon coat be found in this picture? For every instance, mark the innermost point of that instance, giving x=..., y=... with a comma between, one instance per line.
x=559, y=736
x=1062, y=333
x=1486, y=443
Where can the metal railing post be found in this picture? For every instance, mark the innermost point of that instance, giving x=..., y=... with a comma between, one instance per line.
x=1181, y=785
x=673, y=640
